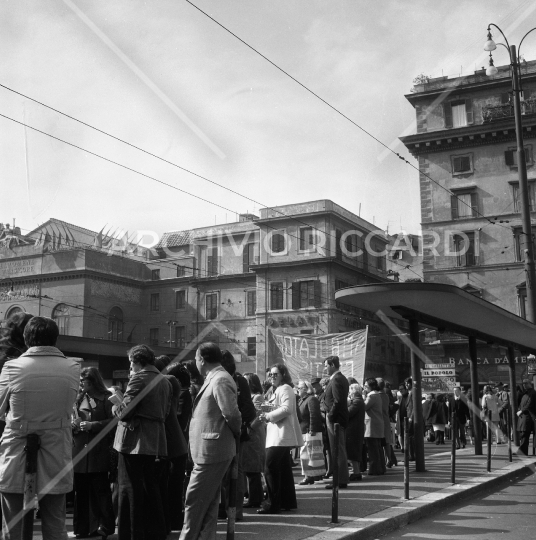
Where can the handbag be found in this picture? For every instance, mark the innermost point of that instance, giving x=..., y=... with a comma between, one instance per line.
x=315, y=455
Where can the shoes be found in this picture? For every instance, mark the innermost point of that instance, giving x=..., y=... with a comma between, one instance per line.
x=306, y=481
x=102, y=533
x=341, y=486
x=267, y=510
x=355, y=477
x=251, y=505
x=463, y=445
x=327, y=476
x=389, y=464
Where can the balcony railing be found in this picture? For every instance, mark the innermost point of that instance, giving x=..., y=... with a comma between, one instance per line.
x=492, y=113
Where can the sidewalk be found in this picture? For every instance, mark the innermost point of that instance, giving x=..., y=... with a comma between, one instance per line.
x=374, y=506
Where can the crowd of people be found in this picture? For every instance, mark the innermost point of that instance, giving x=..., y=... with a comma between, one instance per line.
x=157, y=456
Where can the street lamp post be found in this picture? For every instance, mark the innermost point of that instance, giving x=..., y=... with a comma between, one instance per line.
x=530, y=274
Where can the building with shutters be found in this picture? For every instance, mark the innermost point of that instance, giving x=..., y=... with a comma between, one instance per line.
x=465, y=146
x=234, y=283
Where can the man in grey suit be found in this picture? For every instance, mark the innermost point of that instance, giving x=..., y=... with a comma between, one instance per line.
x=214, y=427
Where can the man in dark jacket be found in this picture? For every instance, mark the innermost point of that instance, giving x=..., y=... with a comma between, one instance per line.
x=461, y=410
x=526, y=416
x=249, y=413
x=335, y=405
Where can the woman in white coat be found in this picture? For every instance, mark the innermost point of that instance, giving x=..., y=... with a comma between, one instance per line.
x=283, y=433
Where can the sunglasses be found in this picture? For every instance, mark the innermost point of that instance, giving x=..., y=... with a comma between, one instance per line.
x=271, y=375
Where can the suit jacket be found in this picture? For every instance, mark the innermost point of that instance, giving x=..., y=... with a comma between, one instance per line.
x=336, y=400
x=141, y=428
x=528, y=410
x=216, y=419
x=461, y=410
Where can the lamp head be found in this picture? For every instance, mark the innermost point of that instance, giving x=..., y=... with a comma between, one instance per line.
x=491, y=70
x=490, y=44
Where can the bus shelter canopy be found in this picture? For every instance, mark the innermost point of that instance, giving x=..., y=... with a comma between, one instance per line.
x=445, y=307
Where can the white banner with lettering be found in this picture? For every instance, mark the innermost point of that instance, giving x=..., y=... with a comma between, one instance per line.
x=304, y=354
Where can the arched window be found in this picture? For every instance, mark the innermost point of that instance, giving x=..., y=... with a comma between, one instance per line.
x=12, y=310
x=115, y=324
x=61, y=315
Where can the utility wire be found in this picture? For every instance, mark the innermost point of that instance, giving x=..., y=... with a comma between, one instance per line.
x=366, y=132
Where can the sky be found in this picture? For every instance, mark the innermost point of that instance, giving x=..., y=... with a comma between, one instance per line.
x=166, y=78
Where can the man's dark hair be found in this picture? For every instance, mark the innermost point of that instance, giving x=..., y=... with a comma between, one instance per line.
x=180, y=372
x=12, y=336
x=210, y=353
x=166, y=360
x=381, y=383
x=408, y=381
x=41, y=332
x=228, y=362
x=372, y=384
x=141, y=354
x=333, y=361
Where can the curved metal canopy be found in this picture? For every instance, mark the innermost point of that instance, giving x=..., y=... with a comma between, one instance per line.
x=443, y=306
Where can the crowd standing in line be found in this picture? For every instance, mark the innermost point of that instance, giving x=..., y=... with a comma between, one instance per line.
x=158, y=457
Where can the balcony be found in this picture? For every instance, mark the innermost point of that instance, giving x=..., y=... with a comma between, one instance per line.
x=493, y=113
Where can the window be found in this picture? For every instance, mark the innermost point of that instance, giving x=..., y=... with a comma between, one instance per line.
x=180, y=336
x=213, y=262
x=250, y=256
x=462, y=164
x=306, y=294
x=517, y=196
x=278, y=243
x=180, y=299
x=519, y=243
x=115, y=324
x=211, y=306
x=466, y=248
x=61, y=316
x=458, y=113
x=464, y=205
x=154, y=336
x=510, y=156
x=307, y=239
x=252, y=346
x=351, y=245
x=181, y=270
x=155, y=275
x=522, y=299
x=13, y=311
x=276, y=295
x=381, y=263
x=251, y=303
x=155, y=302
x=338, y=244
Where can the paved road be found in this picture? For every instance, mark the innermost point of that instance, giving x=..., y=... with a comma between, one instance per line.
x=506, y=514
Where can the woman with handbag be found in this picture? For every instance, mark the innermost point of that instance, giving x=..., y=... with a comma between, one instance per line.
x=93, y=510
x=311, y=454
x=282, y=434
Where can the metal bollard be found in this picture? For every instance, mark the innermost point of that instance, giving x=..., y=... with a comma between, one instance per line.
x=231, y=509
x=406, y=458
x=508, y=424
x=488, y=432
x=335, y=465
x=454, y=431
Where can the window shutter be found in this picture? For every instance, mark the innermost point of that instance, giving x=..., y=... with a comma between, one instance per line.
x=447, y=114
x=505, y=98
x=469, y=111
x=454, y=207
x=245, y=259
x=509, y=158
x=527, y=154
x=318, y=294
x=474, y=204
x=476, y=248
x=296, y=295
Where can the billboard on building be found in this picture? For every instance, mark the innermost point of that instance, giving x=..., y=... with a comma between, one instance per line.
x=304, y=354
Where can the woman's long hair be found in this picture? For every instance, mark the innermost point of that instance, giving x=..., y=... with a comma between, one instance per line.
x=254, y=383
x=12, y=337
x=92, y=374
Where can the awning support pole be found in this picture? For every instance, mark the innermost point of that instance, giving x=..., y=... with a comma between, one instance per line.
x=416, y=392
x=475, y=410
x=513, y=393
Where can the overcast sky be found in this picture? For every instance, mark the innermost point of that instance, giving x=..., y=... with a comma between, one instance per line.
x=163, y=76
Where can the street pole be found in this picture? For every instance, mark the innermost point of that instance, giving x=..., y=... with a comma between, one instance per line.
x=530, y=274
